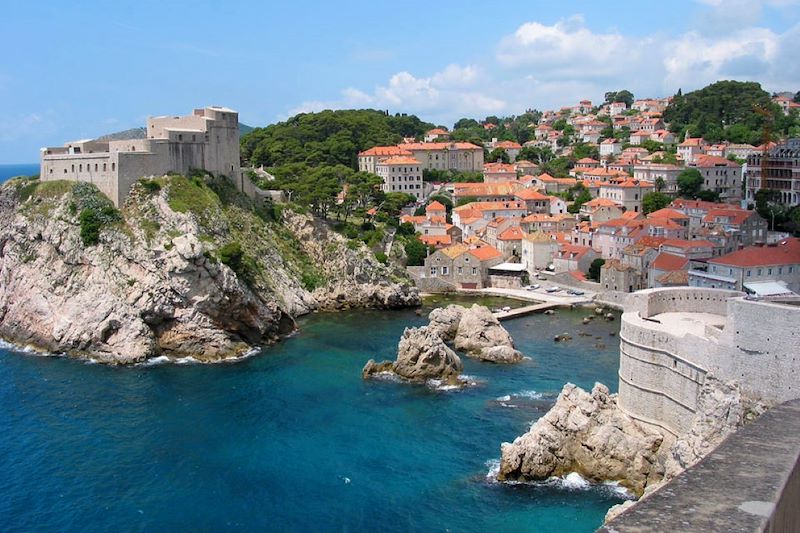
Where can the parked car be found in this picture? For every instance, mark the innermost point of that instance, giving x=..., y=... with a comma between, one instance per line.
x=541, y=277
x=533, y=287
x=553, y=289
x=575, y=292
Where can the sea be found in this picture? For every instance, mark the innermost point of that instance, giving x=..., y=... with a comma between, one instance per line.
x=24, y=169
x=292, y=439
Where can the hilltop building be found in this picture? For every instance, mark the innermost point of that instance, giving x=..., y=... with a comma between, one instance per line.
x=208, y=139
x=781, y=173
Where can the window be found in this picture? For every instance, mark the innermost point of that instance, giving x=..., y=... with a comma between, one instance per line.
x=433, y=271
x=460, y=270
x=51, y=171
x=769, y=271
x=80, y=168
x=104, y=167
x=113, y=166
x=474, y=270
x=445, y=271
x=180, y=137
x=95, y=167
x=748, y=273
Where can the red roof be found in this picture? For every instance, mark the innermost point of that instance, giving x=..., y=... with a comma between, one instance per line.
x=683, y=243
x=665, y=261
x=484, y=253
x=513, y=233
x=435, y=206
x=705, y=160
x=385, y=151
x=530, y=194
x=436, y=240
x=786, y=252
x=399, y=160
x=668, y=213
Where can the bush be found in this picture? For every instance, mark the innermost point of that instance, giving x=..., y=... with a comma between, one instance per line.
x=381, y=257
x=231, y=254
x=594, y=269
x=415, y=251
x=92, y=222
x=150, y=186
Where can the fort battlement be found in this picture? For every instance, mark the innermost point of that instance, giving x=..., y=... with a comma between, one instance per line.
x=671, y=338
x=208, y=139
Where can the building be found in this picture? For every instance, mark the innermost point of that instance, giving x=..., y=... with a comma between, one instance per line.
x=781, y=168
x=691, y=148
x=208, y=139
x=462, y=266
x=401, y=174
x=486, y=192
x=573, y=257
x=653, y=171
x=499, y=172
x=610, y=147
x=627, y=193
x=538, y=250
x=617, y=276
x=778, y=262
x=435, y=134
x=720, y=175
x=369, y=158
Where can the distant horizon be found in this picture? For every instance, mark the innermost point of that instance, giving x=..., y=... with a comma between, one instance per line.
x=526, y=55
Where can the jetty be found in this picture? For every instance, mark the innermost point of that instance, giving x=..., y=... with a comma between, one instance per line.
x=527, y=310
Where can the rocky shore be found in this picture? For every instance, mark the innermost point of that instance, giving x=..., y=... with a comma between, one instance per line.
x=185, y=268
x=587, y=433
x=423, y=353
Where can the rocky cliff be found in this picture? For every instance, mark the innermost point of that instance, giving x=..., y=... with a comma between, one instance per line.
x=188, y=267
x=588, y=433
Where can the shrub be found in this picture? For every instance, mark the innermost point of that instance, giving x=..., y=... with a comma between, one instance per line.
x=381, y=257
x=231, y=254
x=150, y=186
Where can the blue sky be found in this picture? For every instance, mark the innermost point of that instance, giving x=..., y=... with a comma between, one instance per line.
x=78, y=71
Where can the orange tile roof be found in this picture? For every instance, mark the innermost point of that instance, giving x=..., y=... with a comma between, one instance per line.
x=601, y=202
x=485, y=253
x=786, y=252
x=441, y=146
x=514, y=233
x=683, y=243
x=435, y=206
x=530, y=194
x=666, y=261
x=384, y=151
x=506, y=145
x=668, y=213
x=399, y=160
x=436, y=131
x=454, y=251
x=436, y=240
x=705, y=160
x=490, y=206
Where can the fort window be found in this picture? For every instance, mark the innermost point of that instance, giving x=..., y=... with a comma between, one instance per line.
x=73, y=168
x=113, y=166
x=193, y=138
x=80, y=168
x=133, y=148
x=104, y=167
x=51, y=171
x=180, y=137
x=95, y=167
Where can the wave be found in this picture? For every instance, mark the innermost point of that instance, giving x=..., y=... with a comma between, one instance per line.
x=570, y=482
x=464, y=381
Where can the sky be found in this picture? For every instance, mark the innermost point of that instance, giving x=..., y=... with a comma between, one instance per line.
x=75, y=70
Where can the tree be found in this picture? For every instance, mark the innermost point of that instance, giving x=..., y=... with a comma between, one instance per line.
x=660, y=184
x=690, y=182
x=652, y=146
x=466, y=123
x=619, y=96
x=416, y=251
x=498, y=154
x=594, y=269
x=654, y=201
x=536, y=154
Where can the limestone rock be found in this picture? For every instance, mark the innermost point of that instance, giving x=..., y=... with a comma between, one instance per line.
x=421, y=355
x=585, y=433
x=444, y=321
x=153, y=285
x=479, y=329
x=721, y=409
x=500, y=354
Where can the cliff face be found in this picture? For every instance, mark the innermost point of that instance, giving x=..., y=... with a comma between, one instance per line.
x=187, y=268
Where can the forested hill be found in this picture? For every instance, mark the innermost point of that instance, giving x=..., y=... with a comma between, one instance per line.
x=726, y=110
x=327, y=137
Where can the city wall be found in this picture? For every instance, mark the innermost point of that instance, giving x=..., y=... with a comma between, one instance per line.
x=663, y=365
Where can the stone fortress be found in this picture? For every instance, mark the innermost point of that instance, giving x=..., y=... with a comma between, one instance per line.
x=208, y=139
x=671, y=339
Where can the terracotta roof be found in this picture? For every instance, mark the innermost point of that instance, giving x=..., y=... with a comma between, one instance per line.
x=666, y=261
x=507, y=145
x=530, y=194
x=499, y=167
x=735, y=216
x=440, y=146
x=601, y=202
x=436, y=240
x=513, y=233
x=617, y=265
x=674, y=277
x=485, y=253
x=421, y=219
x=786, y=252
x=631, y=215
x=435, y=206
x=384, y=151
x=683, y=243
x=668, y=213
x=399, y=160
x=489, y=206
x=454, y=251
x=574, y=251
x=705, y=160
x=436, y=131
x=587, y=161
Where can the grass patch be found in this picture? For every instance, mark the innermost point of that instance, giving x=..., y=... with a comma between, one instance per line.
x=190, y=196
x=150, y=228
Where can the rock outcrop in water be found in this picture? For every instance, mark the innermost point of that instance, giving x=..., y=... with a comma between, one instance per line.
x=475, y=331
x=587, y=433
x=186, y=268
x=421, y=355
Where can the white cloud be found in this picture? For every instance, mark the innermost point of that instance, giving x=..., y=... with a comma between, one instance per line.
x=549, y=66
x=32, y=125
x=447, y=93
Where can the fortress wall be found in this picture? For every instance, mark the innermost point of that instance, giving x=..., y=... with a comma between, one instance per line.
x=89, y=168
x=760, y=348
x=658, y=383
x=651, y=302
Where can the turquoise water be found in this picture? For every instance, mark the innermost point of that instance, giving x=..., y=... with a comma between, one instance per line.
x=9, y=171
x=290, y=440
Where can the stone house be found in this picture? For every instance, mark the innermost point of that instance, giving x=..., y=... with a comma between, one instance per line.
x=627, y=193
x=720, y=175
x=617, y=276
x=572, y=257
x=538, y=251
x=463, y=266
x=401, y=174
